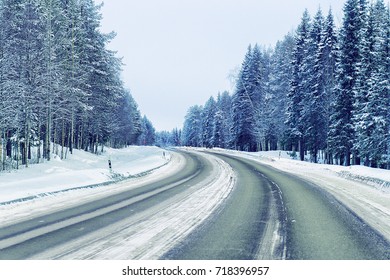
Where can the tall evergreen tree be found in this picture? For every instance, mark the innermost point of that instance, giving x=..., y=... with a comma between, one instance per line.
x=295, y=127
x=342, y=131
x=280, y=77
x=266, y=137
x=223, y=121
x=192, y=129
x=314, y=107
x=148, y=133
x=246, y=101
x=329, y=48
x=208, y=122
x=370, y=107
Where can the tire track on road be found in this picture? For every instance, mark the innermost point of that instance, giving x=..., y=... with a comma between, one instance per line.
x=250, y=215
x=22, y=240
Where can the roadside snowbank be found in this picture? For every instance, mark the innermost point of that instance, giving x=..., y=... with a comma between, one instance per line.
x=11, y=213
x=375, y=177
x=80, y=169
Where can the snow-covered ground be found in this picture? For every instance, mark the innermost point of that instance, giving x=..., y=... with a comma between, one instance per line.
x=80, y=169
x=378, y=178
x=150, y=234
x=57, y=184
x=153, y=232
x=147, y=235
x=366, y=191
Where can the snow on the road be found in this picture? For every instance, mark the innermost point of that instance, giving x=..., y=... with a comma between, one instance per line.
x=150, y=234
x=366, y=191
x=146, y=235
x=80, y=169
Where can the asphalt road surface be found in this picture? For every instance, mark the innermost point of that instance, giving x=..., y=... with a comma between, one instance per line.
x=312, y=224
x=268, y=215
x=26, y=239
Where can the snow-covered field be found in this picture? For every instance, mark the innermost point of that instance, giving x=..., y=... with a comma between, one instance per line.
x=80, y=169
x=83, y=177
x=366, y=191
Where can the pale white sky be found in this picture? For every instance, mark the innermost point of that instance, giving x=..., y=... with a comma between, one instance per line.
x=177, y=53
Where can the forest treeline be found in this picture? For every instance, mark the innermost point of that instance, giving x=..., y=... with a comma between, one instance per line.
x=60, y=87
x=322, y=92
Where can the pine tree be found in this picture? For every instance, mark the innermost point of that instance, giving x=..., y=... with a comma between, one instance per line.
x=342, y=133
x=329, y=60
x=218, y=139
x=192, y=129
x=265, y=136
x=295, y=127
x=223, y=121
x=208, y=115
x=281, y=74
x=246, y=102
x=314, y=107
x=129, y=123
x=175, y=138
x=8, y=109
x=370, y=107
x=148, y=133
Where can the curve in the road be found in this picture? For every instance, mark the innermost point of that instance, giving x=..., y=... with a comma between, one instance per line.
x=22, y=240
x=236, y=230
x=312, y=223
x=320, y=227
x=309, y=222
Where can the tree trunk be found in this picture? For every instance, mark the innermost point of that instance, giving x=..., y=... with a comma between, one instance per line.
x=62, y=138
x=55, y=137
x=4, y=149
x=301, y=150
x=17, y=150
x=27, y=140
x=96, y=144
x=71, y=140
x=348, y=159
x=48, y=133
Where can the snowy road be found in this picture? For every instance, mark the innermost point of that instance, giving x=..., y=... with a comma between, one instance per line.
x=248, y=226
x=275, y=215
x=142, y=222
x=202, y=205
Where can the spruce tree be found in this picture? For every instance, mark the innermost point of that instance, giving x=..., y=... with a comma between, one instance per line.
x=342, y=133
x=298, y=83
x=281, y=74
x=329, y=61
x=208, y=122
x=313, y=113
x=223, y=121
x=371, y=107
x=246, y=101
x=192, y=128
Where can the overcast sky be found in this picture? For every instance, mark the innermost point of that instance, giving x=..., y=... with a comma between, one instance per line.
x=177, y=53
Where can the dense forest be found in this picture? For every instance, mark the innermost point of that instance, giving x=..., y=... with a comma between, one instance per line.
x=321, y=92
x=60, y=87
